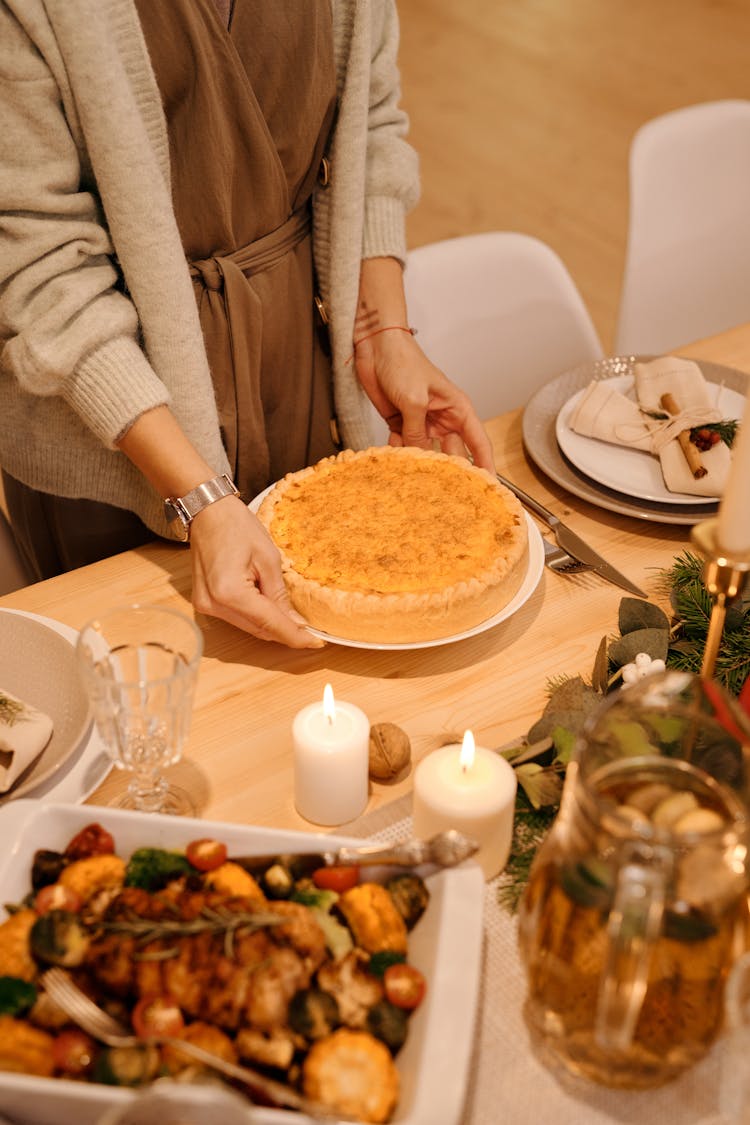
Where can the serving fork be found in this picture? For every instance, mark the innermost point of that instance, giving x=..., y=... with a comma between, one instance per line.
x=91, y=1018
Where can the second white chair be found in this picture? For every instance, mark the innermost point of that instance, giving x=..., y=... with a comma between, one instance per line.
x=499, y=313
x=687, y=264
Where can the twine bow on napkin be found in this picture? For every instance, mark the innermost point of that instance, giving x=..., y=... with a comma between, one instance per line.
x=606, y=414
x=24, y=732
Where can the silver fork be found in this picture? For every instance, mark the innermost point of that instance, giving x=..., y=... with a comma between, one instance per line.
x=98, y=1023
x=560, y=561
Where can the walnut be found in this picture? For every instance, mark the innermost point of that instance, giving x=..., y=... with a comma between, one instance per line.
x=390, y=751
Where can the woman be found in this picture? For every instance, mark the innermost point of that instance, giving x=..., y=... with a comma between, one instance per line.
x=185, y=185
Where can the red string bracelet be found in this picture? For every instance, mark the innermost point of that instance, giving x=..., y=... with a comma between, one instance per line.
x=388, y=328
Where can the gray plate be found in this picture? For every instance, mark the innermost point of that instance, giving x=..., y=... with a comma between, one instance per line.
x=540, y=441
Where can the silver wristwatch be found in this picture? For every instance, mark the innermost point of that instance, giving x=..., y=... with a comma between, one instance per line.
x=182, y=510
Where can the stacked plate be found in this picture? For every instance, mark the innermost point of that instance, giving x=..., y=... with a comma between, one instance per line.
x=627, y=481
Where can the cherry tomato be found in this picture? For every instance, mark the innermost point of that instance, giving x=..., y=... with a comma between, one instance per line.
x=206, y=855
x=404, y=986
x=339, y=879
x=91, y=840
x=73, y=1051
x=57, y=897
x=157, y=1015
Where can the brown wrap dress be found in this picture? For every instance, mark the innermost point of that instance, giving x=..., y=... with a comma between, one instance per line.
x=249, y=102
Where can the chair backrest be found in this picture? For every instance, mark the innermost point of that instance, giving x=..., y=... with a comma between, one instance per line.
x=687, y=263
x=499, y=314
x=13, y=573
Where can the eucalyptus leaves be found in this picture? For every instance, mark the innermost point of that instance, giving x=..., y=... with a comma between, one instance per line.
x=541, y=757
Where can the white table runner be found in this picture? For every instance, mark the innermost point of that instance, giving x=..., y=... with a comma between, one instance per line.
x=508, y=1085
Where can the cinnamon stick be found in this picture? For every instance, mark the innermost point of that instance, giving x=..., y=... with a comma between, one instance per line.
x=692, y=456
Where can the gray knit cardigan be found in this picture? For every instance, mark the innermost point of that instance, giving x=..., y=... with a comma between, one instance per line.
x=87, y=347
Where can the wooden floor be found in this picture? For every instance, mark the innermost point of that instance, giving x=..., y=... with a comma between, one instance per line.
x=523, y=111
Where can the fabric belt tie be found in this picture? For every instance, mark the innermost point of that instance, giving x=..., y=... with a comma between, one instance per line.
x=231, y=311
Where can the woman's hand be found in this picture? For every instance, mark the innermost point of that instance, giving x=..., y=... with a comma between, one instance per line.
x=418, y=402
x=237, y=575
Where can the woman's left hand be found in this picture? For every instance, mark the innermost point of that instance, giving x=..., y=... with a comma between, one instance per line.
x=420, y=405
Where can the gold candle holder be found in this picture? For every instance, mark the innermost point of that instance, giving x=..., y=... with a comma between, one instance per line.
x=724, y=578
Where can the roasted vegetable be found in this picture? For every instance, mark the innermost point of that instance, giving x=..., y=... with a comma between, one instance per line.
x=313, y=1013
x=24, y=1048
x=354, y=1074
x=59, y=938
x=231, y=879
x=16, y=996
x=373, y=919
x=405, y=986
x=88, y=877
x=46, y=868
x=379, y=962
x=355, y=989
x=91, y=840
x=15, y=957
x=277, y=881
x=389, y=1024
x=127, y=1066
x=410, y=896
x=153, y=868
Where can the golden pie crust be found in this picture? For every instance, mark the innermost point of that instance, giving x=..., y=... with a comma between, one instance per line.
x=397, y=545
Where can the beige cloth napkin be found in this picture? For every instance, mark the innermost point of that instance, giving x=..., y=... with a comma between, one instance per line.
x=610, y=416
x=24, y=732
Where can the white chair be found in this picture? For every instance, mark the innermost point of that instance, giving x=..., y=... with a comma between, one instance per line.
x=687, y=263
x=13, y=573
x=499, y=314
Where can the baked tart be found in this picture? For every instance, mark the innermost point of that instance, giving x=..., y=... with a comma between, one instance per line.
x=396, y=545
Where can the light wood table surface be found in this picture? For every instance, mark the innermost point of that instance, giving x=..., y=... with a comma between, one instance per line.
x=238, y=762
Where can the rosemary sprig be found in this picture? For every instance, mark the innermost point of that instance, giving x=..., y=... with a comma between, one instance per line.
x=211, y=920
x=11, y=710
x=727, y=430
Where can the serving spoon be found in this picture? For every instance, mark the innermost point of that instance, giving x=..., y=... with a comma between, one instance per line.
x=446, y=849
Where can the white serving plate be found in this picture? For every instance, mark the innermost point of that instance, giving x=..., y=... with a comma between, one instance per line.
x=445, y=945
x=534, y=571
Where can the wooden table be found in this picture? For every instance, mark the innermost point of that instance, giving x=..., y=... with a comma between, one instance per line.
x=238, y=763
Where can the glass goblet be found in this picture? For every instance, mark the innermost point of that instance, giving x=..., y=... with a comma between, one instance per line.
x=140, y=664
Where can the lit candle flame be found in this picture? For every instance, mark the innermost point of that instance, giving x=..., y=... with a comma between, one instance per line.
x=329, y=704
x=468, y=749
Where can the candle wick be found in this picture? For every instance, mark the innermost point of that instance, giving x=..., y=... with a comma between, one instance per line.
x=330, y=720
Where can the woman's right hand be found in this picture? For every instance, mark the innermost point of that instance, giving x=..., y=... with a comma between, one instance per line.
x=237, y=575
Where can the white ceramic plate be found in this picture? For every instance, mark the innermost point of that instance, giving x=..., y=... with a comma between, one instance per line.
x=540, y=439
x=530, y=582
x=82, y=771
x=632, y=471
x=433, y=1065
x=39, y=666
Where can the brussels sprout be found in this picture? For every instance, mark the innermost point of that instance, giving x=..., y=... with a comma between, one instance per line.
x=16, y=996
x=46, y=868
x=388, y=1023
x=410, y=896
x=313, y=1013
x=277, y=881
x=127, y=1066
x=59, y=938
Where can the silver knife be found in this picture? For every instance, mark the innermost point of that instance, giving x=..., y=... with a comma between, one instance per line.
x=571, y=542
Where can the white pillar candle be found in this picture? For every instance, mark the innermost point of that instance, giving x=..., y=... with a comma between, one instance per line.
x=331, y=760
x=472, y=790
x=733, y=531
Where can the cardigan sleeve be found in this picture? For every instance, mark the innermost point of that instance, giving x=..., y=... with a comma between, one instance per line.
x=392, y=171
x=66, y=326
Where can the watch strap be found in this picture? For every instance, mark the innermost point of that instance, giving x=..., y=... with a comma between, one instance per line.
x=182, y=510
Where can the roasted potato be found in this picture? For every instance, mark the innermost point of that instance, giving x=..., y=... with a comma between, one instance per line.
x=15, y=954
x=373, y=918
x=24, y=1048
x=353, y=1073
x=231, y=879
x=88, y=877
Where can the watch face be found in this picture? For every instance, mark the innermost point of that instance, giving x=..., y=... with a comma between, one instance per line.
x=176, y=520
